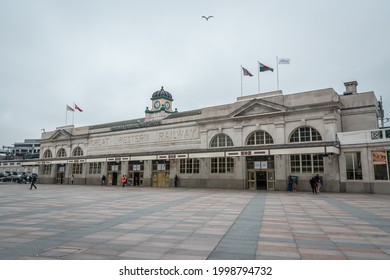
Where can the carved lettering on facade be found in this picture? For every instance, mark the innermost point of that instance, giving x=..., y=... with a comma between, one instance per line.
x=173, y=135
x=99, y=142
x=132, y=139
x=177, y=134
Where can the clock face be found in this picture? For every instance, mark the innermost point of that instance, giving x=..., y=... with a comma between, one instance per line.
x=156, y=104
x=167, y=105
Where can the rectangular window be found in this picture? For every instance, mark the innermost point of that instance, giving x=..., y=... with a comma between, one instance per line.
x=189, y=165
x=230, y=165
x=295, y=164
x=380, y=172
x=214, y=165
x=222, y=165
x=318, y=163
x=307, y=163
x=381, y=165
x=95, y=168
x=353, y=166
x=46, y=169
x=77, y=168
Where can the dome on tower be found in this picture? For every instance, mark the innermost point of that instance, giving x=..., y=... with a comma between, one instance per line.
x=162, y=94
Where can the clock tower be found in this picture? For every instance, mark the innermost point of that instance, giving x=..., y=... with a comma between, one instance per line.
x=161, y=105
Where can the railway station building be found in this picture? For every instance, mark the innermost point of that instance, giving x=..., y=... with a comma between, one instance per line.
x=254, y=143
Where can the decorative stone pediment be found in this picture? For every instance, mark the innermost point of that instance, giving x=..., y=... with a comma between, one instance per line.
x=61, y=134
x=258, y=107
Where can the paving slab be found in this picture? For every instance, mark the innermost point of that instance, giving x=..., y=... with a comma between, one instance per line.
x=78, y=222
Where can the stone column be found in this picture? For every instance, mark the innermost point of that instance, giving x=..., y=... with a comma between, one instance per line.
x=147, y=173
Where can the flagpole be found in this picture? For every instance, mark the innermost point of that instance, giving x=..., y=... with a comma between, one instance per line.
x=241, y=79
x=258, y=77
x=277, y=71
x=66, y=115
x=73, y=114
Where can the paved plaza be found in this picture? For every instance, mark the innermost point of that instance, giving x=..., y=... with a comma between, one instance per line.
x=114, y=223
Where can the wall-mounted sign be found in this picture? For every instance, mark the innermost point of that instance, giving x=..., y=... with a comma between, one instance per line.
x=379, y=157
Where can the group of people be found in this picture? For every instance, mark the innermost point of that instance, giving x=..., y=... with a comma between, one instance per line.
x=315, y=184
x=292, y=184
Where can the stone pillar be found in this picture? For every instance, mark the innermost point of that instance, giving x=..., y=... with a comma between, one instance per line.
x=147, y=173
x=281, y=171
x=124, y=168
x=281, y=161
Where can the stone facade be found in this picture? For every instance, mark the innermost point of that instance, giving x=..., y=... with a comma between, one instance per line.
x=253, y=143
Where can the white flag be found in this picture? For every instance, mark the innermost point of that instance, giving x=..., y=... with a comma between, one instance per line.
x=284, y=61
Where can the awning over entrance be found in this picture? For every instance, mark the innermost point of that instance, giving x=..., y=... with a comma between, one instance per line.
x=287, y=149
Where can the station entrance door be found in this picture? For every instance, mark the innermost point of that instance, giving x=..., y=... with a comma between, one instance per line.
x=260, y=173
x=160, y=173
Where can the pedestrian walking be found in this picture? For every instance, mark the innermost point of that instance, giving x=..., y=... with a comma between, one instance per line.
x=318, y=182
x=313, y=185
x=290, y=182
x=72, y=179
x=176, y=181
x=103, y=180
x=33, y=180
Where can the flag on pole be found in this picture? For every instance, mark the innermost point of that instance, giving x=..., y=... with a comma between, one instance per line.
x=77, y=107
x=284, y=61
x=246, y=72
x=280, y=61
x=264, y=68
x=68, y=108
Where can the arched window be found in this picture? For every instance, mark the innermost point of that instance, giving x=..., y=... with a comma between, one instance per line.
x=259, y=137
x=305, y=134
x=61, y=153
x=46, y=170
x=306, y=163
x=77, y=152
x=47, y=154
x=221, y=140
x=221, y=164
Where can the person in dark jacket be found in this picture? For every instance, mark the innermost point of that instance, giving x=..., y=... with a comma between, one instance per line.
x=176, y=181
x=290, y=182
x=313, y=185
x=33, y=180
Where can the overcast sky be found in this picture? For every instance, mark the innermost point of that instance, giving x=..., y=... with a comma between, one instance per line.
x=109, y=56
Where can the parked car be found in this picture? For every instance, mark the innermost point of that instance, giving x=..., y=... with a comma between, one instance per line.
x=6, y=178
x=2, y=177
x=15, y=176
x=11, y=176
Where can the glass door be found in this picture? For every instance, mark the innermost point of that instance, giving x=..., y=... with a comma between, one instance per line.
x=251, y=180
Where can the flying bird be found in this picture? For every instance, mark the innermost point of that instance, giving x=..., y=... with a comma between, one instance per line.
x=207, y=18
